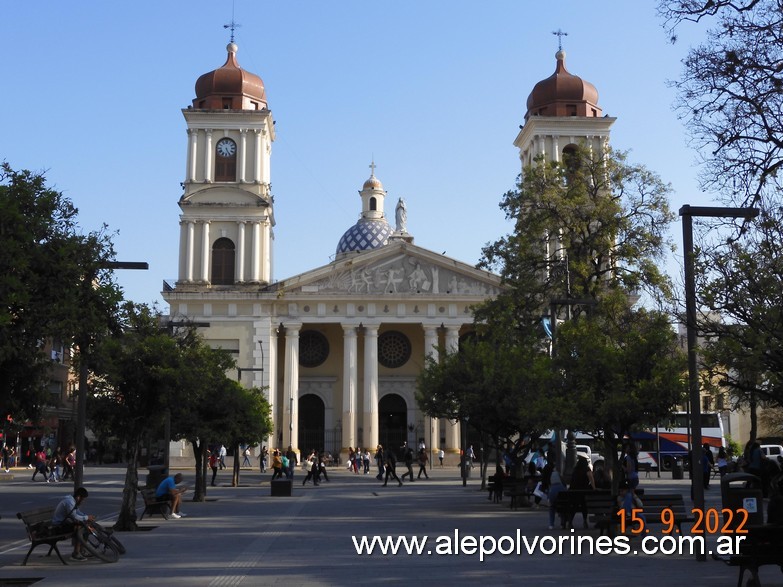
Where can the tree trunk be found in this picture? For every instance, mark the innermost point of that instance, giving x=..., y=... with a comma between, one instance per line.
x=200, y=491
x=126, y=521
x=754, y=420
x=612, y=465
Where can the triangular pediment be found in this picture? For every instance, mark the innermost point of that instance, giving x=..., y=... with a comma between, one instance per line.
x=395, y=269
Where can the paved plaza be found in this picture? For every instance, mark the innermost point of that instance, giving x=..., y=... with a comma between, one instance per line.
x=243, y=536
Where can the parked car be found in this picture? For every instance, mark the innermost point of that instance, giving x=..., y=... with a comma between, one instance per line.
x=772, y=451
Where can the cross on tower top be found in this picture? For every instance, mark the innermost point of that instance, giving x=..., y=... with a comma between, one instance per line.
x=372, y=168
x=560, y=34
x=232, y=25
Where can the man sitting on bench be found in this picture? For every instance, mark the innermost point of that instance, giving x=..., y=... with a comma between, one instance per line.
x=168, y=490
x=67, y=515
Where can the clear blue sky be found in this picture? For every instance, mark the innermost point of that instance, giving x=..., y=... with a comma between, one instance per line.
x=434, y=90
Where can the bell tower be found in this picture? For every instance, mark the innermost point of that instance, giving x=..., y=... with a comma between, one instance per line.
x=227, y=207
x=562, y=112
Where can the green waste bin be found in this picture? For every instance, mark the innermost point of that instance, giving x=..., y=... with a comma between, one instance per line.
x=282, y=487
x=157, y=473
x=742, y=491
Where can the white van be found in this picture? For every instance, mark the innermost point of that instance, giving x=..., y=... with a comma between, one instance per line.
x=772, y=451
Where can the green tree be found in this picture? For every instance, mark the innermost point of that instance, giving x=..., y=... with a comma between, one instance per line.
x=135, y=377
x=214, y=408
x=620, y=368
x=489, y=387
x=590, y=234
x=43, y=264
x=730, y=95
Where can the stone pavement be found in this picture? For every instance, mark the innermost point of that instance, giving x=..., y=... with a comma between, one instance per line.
x=243, y=536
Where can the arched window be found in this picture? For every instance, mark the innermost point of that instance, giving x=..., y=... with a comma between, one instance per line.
x=225, y=160
x=373, y=204
x=571, y=162
x=223, y=253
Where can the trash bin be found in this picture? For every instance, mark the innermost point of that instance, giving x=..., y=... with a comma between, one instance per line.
x=742, y=491
x=156, y=474
x=282, y=487
x=678, y=469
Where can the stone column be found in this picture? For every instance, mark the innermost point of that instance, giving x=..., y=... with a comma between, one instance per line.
x=190, y=254
x=350, y=383
x=291, y=386
x=258, y=156
x=255, y=253
x=209, y=173
x=190, y=172
x=240, y=262
x=205, y=251
x=265, y=261
x=431, y=424
x=453, y=439
x=242, y=154
x=370, y=415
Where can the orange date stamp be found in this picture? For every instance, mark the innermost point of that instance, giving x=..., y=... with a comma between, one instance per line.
x=704, y=521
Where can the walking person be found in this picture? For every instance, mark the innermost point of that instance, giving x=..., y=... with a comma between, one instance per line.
x=40, y=464
x=292, y=462
x=408, y=459
x=723, y=462
x=262, y=459
x=380, y=460
x=222, y=457
x=277, y=465
x=707, y=463
x=366, y=460
x=391, y=466
x=313, y=471
x=441, y=454
x=322, y=468
x=423, y=459
x=213, y=464
x=246, y=459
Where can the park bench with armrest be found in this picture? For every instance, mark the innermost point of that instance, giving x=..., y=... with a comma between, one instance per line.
x=41, y=530
x=604, y=512
x=763, y=545
x=570, y=502
x=154, y=505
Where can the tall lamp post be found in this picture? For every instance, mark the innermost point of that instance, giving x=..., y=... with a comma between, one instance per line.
x=83, y=343
x=697, y=454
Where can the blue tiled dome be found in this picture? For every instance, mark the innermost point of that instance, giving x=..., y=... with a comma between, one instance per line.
x=365, y=235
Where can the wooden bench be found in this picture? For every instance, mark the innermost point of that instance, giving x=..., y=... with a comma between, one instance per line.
x=570, y=502
x=763, y=545
x=604, y=512
x=495, y=487
x=40, y=530
x=154, y=505
x=516, y=489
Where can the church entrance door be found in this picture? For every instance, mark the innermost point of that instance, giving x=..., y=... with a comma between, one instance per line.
x=311, y=424
x=392, y=422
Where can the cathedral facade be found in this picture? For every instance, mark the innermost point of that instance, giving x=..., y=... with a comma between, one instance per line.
x=337, y=349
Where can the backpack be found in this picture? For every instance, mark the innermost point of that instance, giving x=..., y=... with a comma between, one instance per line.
x=285, y=461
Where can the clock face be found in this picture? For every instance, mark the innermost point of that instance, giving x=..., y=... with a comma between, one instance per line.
x=226, y=148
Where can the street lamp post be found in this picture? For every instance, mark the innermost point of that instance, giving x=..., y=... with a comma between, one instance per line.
x=697, y=454
x=83, y=342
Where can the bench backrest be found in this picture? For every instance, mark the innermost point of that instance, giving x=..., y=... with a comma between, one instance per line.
x=32, y=517
x=659, y=502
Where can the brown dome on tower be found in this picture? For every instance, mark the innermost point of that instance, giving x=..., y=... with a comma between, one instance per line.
x=563, y=94
x=230, y=87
